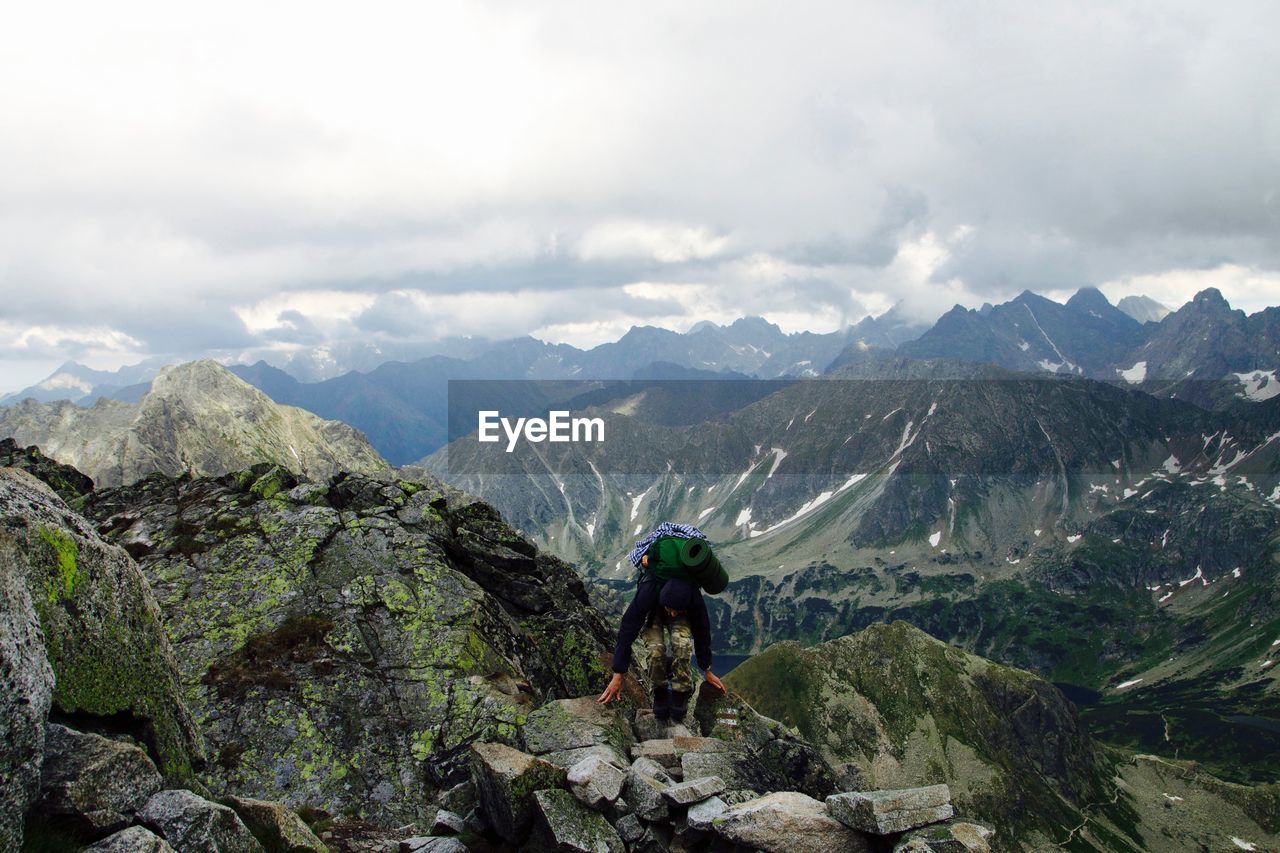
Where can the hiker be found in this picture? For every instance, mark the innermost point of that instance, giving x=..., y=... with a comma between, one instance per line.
x=663, y=611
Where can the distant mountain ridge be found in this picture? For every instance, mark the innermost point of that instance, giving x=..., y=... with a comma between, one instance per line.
x=197, y=418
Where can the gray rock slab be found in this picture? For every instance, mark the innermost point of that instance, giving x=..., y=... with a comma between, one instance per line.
x=700, y=815
x=276, y=826
x=564, y=824
x=135, y=839
x=192, y=824
x=643, y=792
x=693, y=790
x=575, y=723
x=93, y=782
x=505, y=778
x=889, y=812
x=629, y=828
x=448, y=823
x=787, y=822
x=595, y=781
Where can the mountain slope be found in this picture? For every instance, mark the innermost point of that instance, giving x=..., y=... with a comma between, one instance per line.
x=197, y=418
x=906, y=709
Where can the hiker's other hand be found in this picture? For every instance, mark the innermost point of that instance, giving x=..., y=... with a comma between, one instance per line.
x=715, y=682
x=611, y=692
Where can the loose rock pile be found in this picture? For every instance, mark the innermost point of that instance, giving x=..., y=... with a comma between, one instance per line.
x=587, y=784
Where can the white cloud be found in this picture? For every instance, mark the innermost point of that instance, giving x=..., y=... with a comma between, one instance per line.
x=1247, y=288
x=180, y=177
x=667, y=243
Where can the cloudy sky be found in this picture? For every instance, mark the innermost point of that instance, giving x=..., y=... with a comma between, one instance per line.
x=268, y=176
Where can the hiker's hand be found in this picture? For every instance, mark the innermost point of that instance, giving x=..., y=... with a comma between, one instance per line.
x=611, y=692
x=715, y=682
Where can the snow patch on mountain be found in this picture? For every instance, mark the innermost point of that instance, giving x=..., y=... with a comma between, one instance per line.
x=1259, y=385
x=1137, y=373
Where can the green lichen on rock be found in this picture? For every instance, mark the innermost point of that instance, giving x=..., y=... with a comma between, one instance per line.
x=67, y=574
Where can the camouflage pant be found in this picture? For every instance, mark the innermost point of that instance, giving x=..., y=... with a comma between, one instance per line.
x=655, y=643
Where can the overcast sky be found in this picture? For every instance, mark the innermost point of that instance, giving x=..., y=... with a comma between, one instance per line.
x=272, y=175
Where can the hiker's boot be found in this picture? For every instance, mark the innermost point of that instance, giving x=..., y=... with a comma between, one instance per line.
x=679, y=705
x=662, y=703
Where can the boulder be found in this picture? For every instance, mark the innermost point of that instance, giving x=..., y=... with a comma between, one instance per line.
x=950, y=837
x=135, y=839
x=889, y=812
x=787, y=822
x=595, y=781
x=103, y=634
x=93, y=784
x=26, y=693
x=277, y=828
x=701, y=815
x=506, y=780
x=448, y=823
x=192, y=824
x=576, y=723
x=564, y=824
x=629, y=828
x=646, y=780
x=694, y=790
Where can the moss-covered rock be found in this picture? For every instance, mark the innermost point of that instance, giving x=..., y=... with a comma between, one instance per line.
x=342, y=644
x=102, y=629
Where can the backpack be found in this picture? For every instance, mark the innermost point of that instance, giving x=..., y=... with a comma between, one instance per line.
x=687, y=559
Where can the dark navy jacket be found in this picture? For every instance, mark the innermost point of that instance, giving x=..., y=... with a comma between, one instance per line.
x=646, y=605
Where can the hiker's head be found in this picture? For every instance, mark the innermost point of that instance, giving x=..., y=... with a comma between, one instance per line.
x=676, y=596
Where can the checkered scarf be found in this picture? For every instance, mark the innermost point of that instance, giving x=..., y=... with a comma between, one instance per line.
x=666, y=528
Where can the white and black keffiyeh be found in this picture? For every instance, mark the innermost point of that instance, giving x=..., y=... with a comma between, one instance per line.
x=666, y=528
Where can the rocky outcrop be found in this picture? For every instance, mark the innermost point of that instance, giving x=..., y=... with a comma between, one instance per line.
x=342, y=644
x=93, y=784
x=198, y=418
x=101, y=628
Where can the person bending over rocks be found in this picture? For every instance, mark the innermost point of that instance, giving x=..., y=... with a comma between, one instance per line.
x=664, y=613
